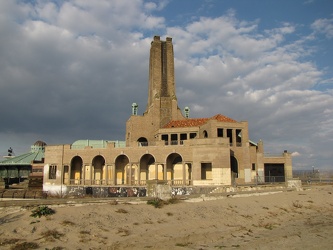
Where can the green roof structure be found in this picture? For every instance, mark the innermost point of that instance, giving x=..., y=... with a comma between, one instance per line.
x=36, y=154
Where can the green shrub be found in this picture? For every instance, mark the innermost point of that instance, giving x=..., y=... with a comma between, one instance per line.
x=42, y=211
x=156, y=202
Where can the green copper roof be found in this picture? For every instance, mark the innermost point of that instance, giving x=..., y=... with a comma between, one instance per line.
x=25, y=159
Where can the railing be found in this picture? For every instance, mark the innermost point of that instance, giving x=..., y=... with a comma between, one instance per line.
x=269, y=179
x=272, y=155
x=79, y=182
x=174, y=142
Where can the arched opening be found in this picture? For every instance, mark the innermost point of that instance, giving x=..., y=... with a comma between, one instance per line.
x=99, y=172
x=147, y=168
x=143, y=142
x=234, y=168
x=121, y=163
x=205, y=134
x=76, y=170
x=174, y=169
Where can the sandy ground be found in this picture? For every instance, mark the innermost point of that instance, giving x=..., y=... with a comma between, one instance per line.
x=281, y=220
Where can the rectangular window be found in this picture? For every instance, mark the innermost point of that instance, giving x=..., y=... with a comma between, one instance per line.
x=239, y=137
x=165, y=138
x=193, y=135
x=183, y=137
x=52, y=172
x=220, y=132
x=229, y=135
x=206, y=171
x=253, y=166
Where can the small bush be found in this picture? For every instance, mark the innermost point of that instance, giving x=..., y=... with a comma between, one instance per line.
x=158, y=203
x=42, y=211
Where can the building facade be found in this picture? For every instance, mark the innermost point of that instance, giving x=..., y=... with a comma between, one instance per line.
x=165, y=144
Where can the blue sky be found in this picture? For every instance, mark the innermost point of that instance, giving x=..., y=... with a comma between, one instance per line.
x=71, y=69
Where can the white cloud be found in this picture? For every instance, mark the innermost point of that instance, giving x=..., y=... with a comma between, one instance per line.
x=81, y=64
x=323, y=26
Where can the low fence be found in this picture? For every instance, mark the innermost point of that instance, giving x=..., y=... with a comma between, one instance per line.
x=23, y=194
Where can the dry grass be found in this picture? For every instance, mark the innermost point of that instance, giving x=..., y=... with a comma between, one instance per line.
x=122, y=211
x=185, y=244
x=25, y=245
x=52, y=235
x=67, y=223
x=123, y=232
x=8, y=242
x=84, y=232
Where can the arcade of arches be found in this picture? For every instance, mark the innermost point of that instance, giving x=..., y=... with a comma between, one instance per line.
x=124, y=172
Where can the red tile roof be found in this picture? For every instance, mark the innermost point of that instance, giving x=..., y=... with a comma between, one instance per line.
x=196, y=122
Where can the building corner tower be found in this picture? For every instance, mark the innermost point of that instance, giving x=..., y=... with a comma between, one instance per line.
x=162, y=105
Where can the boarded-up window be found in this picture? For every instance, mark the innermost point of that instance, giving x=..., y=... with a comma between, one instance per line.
x=52, y=172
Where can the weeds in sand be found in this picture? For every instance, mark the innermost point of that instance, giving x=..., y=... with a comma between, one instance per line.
x=123, y=232
x=283, y=209
x=220, y=247
x=273, y=214
x=121, y=211
x=8, y=241
x=42, y=211
x=25, y=245
x=265, y=208
x=310, y=201
x=297, y=204
x=83, y=235
x=67, y=223
x=266, y=225
x=51, y=235
x=185, y=244
x=159, y=203
x=33, y=222
x=246, y=216
x=169, y=214
x=55, y=248
x=135, y=223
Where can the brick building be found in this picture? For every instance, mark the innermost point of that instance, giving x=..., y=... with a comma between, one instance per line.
x=165, y=144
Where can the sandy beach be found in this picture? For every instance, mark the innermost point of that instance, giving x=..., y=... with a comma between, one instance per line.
x=276, y=220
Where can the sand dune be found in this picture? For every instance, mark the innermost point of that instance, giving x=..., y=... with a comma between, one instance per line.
x=280, y=220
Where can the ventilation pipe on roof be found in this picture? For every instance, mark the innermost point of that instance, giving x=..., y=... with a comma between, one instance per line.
x=187, y=112
x=134, y=108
